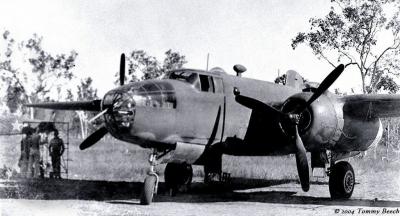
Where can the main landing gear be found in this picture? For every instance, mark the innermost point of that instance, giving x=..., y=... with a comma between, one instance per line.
x=341, y=174
x=341, y=180
x=177, y=175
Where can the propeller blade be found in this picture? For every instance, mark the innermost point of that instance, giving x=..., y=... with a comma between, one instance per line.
x=302, y=163
x=257, y=105
x=94, y=105
x=122, y=70
x=93, y=138
x=325, y=84
x=98, y=115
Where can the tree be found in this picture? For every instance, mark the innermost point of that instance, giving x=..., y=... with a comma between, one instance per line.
x=85, y=92
x=281, y=79
x=142, y=65
x=364, y=33
x=30, y=73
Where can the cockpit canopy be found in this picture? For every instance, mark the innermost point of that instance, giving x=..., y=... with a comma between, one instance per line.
x=199, y=81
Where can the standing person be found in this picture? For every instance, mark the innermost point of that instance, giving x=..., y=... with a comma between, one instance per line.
x=56, y=149
x=25, y=147
x=44, y=154
x=34, y=155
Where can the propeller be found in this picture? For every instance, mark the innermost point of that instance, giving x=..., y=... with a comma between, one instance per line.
x=256, y=104
x=301, y=161
x=325, y=84
x=122, y=70
x=93, y=138
x=101, y=132
x=294, y=118
x=94, y=105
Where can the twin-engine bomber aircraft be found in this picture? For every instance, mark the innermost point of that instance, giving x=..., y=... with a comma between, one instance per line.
x=194, y=117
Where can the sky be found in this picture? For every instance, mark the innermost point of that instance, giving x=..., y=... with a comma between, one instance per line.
x=256, y=34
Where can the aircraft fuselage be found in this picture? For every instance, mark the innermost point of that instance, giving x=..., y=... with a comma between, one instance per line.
x=200, y=109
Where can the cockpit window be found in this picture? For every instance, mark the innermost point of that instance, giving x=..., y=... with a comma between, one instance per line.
x=201, y=82
x=157, y=95
x=185, y=76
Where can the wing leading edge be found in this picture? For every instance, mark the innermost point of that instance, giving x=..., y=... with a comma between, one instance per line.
x=372, y=106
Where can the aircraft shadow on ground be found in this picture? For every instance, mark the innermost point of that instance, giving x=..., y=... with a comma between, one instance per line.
x=129, y=192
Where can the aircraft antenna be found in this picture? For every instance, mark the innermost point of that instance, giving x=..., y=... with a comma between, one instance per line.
x=208, y=58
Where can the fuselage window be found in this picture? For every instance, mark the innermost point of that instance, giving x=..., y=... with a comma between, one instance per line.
x=206, y=83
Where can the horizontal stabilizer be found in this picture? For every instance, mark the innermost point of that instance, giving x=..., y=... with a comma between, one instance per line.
x=94, y=105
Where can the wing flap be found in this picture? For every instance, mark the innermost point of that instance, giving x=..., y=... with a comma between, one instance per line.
x=373, y=105
x=94, y=105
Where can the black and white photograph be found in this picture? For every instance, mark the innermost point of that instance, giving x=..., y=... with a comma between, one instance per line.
x=197, y=108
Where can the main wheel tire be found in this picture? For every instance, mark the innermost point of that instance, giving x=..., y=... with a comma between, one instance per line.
x=176, y=175
x=341, y=180
x=148, y=190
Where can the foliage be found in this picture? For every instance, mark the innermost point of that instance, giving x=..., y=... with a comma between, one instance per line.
x=338, y=92
x=281, y=79
x=86, y=91
x=142, y=65
x=30, y=73
x=362, y=32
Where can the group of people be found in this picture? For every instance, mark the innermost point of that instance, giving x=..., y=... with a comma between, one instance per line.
x=31, y=158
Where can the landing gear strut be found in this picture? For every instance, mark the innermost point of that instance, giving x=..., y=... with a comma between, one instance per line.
x=151, y=182
x=341, y=180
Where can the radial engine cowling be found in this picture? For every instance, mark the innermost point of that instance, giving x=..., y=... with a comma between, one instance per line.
x=320, y=124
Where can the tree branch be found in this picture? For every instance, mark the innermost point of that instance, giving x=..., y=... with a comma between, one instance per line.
x=326, y=59
x=351, y=63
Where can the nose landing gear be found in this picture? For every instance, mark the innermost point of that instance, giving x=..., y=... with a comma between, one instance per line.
x=150, y=186
x=176, y=175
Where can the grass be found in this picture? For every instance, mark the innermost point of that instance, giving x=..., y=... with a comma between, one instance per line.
x=114, y=160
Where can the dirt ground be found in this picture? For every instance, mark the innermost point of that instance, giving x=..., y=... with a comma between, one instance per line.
x=108, y=180
x=240, y=197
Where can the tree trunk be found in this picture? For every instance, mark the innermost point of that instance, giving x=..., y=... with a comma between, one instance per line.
x=82, y=119
x=363, y=83
x=31, y=109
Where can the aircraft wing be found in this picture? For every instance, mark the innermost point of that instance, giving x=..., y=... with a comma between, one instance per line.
x=94, y=105
x=373, y=105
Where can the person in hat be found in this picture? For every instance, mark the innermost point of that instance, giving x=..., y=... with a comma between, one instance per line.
x=56, y=149
x=34, y=154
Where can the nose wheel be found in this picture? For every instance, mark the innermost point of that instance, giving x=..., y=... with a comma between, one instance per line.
x=150, y=185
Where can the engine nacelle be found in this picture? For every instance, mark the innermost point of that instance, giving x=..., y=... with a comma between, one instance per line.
x=320, y=124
